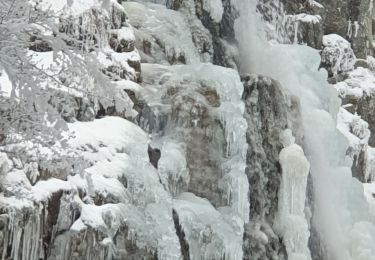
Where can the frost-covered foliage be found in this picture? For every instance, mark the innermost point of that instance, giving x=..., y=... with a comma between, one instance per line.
x=337, y=55
x=359, y=83
x=357, y=133
x=357, y=92
x=94, y=192
x=38, y=53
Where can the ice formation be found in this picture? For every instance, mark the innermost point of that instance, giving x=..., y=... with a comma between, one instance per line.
x=337, y=54
x=339, y=214
x=172, y=167
x=301, y=18
x=209, y=234
x=157, y=27
x=215, y=8
x=359, y=83
x=102, y=191
x=229, y=88
x=292, y=222
x=121, y=177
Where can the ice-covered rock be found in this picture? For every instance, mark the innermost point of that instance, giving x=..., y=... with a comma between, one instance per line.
x=163, y=35
x=204, y=114
x=208, y=233
x=337, y=55
x=112, y=198
x=357, y=94
x=268, y=112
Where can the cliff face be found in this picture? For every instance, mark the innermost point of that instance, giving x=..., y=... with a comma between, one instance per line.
x=168, y=146
x=172, y=187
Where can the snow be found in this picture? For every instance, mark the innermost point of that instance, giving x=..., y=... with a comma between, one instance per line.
x=214, y=8
x=5, y=84
x=124, y=33
x=353, y=128
x=306, y=18
x=112, y=134
x=119, y=176
x=359, y=83
x=314, y=3
x=331, y=40
x=42, y=190
x=52, y=64
x=338, y=54
x=122, y=153
x=73, y=8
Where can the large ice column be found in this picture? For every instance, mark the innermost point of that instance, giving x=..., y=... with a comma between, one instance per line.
x=291, y=223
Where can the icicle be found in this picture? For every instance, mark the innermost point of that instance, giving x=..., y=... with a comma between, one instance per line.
x=349, y=32
x=356, y=29
x=296, y=25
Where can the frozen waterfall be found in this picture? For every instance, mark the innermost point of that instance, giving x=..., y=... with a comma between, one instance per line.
x=340, y=215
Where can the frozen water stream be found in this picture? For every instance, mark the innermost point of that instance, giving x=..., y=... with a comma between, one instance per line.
x=340, y=212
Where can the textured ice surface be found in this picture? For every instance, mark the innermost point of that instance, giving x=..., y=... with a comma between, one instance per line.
x=340, y=207
x=162, y=28
x=214, y=8
x=5, y=84
x=292, y=222
x=76, y=7
x=229, y=88
x=353, y=128
x=205, y=227
x=172, y=167
x=208, y=233
x=359, y=82
x=122, y=187
x=338, y=54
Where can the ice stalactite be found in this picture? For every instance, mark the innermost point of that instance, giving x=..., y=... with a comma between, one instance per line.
x=291, y=223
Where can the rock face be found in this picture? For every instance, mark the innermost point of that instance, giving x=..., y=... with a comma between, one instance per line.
x=198, y=163
x=268, y=112
x=366, y=108
x=351, y=20
x=183, y=193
